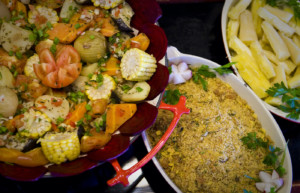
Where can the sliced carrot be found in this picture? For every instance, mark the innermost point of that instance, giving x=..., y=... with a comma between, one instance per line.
x=117, y=114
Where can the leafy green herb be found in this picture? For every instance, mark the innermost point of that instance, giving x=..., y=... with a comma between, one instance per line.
x=252, y=142
x=61, y=129
x=272, y=157
x=0, y=76
x=205, y=71
x=171, y=96
x=92, y=37
x=10, y=53
x=103, y=59
x=139, y=89
x=53, y=48
x=170, y=69
x=99, y=79
x=59, y=120
x=290, y=97
x=56, y=40
x=280, y=169
x=49, y=25
x=65, y=20
x=76, y=96
x=272, y=190
x=225, y=69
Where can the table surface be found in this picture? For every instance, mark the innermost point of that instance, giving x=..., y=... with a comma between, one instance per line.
x=194, y=28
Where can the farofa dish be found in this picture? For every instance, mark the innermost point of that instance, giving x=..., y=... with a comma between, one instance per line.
x=208, y=150
x=70, y=76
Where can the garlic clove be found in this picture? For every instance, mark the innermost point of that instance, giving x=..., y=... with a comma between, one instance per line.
x=265, y=177
x=178, y=79
x=187, y=74
x=182, y=67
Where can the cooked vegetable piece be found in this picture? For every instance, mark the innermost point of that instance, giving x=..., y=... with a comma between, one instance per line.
x=60, y=147
x=68, y=9
x=275, y=101
x=107, y=4
x=76, y=115
x=247, y=31
x=4, y=11
x=276, y=42
x=54, y=4
x=117, y=114
x=112, y=66
x=28, y=69
x=96, y=140
x=89, y=69
x=137, y=65
x=79, y=83
x=8, y=102
x=293, y=48
x=119, y=44
x=294, y=24
x=99, y=107
x=289, y=66
x=237, y=9
x=6, y=77
x=140, y=41
x=280, y=74
x=91, y=46
x=36, y=124
x=122, y=15
x=100, y=87
x=263, y=62
x=32, y=158
x=14, y=38
x=256, y=19
x=294, y=82
x=41, y=15
x=232, y=28
x=53, y=107
x=107, y=26
x=239, y=47
x=275, y=21
x=66, y=33
x=282, y=14
x=138, y=92
x=60, y=71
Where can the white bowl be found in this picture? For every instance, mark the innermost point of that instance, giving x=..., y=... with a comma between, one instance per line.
x=227, y=5
x=264, y=116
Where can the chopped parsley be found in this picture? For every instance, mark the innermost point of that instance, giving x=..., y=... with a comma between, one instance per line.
x=171, y=96
x=253, y=142
x=53, y=46
x=77, y=26
x=289, y=96
x=88, y=107
x=76, y=96
x=59, y=120
x=3, y=130
x=92, y=37
x=125, y=88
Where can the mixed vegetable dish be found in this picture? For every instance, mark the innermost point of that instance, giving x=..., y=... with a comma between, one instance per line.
x=71, y=73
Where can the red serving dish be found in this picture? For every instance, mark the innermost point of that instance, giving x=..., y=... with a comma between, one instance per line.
x=147, y=12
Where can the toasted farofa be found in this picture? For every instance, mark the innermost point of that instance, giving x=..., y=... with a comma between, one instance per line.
x=205, y=153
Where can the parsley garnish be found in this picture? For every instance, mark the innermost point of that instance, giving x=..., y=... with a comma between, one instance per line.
x=205, y=71
x=77, y=26
x=88, y=107
x=125, y=88
x=59, y=120
x=171, y=96
x=290, y=97
x=3, y=130
x=252, y=142
x=272, y=157
x=53, y=46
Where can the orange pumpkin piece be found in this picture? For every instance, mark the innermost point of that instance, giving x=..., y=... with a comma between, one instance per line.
x=76, y=115
x=140, y=41
x=95, y=141
x=112, y=66
x=31, y=158
x=117, y=114
x=106, y=25
x=99, y=107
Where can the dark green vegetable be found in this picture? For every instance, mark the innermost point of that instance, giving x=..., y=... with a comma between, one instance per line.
x=252, y=142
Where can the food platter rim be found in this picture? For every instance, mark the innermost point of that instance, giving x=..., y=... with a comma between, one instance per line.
x=224, y=20
x=178, y=57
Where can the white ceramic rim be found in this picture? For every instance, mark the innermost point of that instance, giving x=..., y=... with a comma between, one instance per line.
x=265, y=117
x=224, y=20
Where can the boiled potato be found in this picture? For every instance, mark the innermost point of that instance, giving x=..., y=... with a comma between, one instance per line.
x=8, y=102
x=6, y=77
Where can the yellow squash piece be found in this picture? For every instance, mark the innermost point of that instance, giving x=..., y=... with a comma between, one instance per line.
x=60, y=147
x=117, y=114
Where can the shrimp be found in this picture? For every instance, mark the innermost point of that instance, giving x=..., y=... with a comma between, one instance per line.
x=60, y=70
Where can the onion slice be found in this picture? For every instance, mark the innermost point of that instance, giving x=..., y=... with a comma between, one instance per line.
x=180, y=73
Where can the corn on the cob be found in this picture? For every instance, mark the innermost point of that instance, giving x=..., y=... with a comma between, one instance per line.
x=137, y=65
x=60, y=147
x=103, y=90
x=36, y=124
x=107, y=4
x=38, y=14
x=28, y=69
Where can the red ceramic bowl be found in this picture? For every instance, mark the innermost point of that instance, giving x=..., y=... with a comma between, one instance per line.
x=147, y=12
